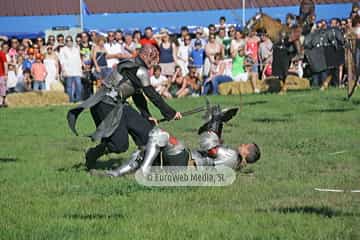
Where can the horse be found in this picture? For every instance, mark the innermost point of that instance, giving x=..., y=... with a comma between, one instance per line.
x=273, y=28
x=276, y=31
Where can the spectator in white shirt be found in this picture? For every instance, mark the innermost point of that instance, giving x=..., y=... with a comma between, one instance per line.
x=129, y=45
x=11, y=78
x=160, y=82
x=71, y=66
x=113, y=50
x=183, y=55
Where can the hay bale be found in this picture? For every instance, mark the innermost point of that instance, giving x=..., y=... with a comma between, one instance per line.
x=271, y=84
x=37, y=98
x=296, y=83
x=234, y=88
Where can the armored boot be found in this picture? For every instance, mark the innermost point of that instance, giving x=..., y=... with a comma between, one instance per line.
x=132, y=165
x=92, y=154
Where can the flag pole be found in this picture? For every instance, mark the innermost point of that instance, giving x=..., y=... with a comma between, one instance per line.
x=81, y=16
x=243, y=13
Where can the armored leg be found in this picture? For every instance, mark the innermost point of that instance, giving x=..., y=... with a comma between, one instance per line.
x=128, y=167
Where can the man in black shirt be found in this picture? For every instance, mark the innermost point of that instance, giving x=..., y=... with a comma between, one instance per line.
x=85, y=52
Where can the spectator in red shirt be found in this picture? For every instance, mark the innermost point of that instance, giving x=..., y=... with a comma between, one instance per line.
x=3, y=74
x=149, y=37
x=252, y=49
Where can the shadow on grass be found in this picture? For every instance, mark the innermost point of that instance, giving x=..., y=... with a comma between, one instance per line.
x=100, y=165
x=191, y=130
x=332, y=110
x=75, y=149
x=93, y=216
x=271, y=120
x=255, y=103
x=247, y=171
x=8, y=160
x=355, y=102
x=321, y=211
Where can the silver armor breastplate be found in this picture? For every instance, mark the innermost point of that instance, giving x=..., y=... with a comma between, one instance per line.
x=201, y=160
x=227, y=157
x=126, y=89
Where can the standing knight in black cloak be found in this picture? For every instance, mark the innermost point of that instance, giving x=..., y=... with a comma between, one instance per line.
x=113, y=116
x=283, y=52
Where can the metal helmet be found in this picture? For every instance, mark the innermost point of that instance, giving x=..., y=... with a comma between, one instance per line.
x=208, y=140
x=149, y=54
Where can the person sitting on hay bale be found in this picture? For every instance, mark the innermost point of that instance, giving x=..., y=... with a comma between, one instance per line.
x=218, y=75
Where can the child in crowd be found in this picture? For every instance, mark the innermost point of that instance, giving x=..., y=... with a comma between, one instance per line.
x=38, y=72
x=11, y=78
x=267, y=71
x=160, y=82
x=27, y=80
x=179, y=87
x=20, y=87
x=197, y=57
x=27, y=69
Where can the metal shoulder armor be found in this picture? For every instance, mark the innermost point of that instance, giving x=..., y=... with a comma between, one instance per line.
x=158, y=137
x=227, y=157
x=143, y=74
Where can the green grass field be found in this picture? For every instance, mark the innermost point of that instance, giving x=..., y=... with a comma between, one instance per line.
x=308, y=139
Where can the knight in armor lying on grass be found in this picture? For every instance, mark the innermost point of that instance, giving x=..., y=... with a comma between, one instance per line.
x=164, y=149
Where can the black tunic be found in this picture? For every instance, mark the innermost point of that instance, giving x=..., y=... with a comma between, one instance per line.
x=112, y=116
x=283, y=52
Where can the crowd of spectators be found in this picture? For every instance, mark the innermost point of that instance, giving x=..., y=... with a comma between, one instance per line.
x=191, y=64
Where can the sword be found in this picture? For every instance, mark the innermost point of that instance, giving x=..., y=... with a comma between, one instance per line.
x=187, y=113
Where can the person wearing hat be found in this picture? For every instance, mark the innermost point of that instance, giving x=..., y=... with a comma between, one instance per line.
x=199, y=36
x=38, y=72
x=197, y=57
